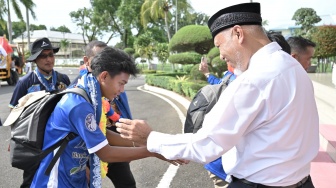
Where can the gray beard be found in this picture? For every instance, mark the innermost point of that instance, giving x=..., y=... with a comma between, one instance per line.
x=237, y=72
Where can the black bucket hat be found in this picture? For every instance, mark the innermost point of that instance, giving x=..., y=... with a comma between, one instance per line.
x=38, y=46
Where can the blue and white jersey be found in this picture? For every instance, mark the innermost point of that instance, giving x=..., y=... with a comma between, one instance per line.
x=72, y=114
x=30, y=83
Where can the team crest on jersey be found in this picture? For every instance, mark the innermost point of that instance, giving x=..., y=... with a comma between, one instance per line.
x=90, y=122
x=61, y=86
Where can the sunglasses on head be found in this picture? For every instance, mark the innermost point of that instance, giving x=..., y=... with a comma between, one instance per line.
x=44, y=56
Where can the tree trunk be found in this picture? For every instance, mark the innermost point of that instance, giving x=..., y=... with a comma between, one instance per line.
x=9, y=24
x=28, y=28
x=125, y=38
x=167, y=27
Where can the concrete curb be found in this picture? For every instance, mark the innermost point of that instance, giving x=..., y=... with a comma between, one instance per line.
x=183, y=101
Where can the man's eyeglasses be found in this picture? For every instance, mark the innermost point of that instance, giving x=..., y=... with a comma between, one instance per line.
x=44, y=56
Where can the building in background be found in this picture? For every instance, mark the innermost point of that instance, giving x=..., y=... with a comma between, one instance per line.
x=75, y=42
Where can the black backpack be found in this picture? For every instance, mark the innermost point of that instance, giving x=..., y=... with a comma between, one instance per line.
x=202, y=103
x=28, y=121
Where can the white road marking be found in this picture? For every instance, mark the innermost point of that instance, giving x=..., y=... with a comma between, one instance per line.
x=172, y=169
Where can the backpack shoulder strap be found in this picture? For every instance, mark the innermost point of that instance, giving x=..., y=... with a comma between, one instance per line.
x=80, y=92
x=59, y=76
x=61, y=144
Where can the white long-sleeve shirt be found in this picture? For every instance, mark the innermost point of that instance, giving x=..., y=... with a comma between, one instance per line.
x=269, y=113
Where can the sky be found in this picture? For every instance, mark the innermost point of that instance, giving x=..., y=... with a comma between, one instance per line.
x=276, y=12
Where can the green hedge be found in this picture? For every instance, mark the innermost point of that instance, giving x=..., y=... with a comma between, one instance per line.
x=185, y=58
x=169, y=82
x=214, y=52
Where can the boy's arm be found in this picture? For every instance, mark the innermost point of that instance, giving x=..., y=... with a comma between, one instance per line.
x=115, y=139
x=123, y=154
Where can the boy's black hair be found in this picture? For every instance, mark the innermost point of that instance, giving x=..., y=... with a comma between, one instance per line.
x=114, y=61
x=280, y=39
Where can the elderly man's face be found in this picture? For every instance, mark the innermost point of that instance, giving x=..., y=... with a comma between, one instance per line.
x=228, y=46
x=87, y=60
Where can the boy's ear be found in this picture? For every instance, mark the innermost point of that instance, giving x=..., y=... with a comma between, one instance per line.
x=102, y=76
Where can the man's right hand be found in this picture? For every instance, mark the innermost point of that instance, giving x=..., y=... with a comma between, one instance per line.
x=134, y=130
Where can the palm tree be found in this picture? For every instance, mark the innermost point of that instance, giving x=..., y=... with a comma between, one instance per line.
x=3, y=9
x=28, y=4
x=153, y=10
x=64, y=45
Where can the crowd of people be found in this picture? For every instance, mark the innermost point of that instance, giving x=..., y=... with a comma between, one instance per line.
x=266, y=118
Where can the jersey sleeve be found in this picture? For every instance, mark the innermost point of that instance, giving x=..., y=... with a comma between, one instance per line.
x=83, y=120
x=212, y=79
x=19, y=91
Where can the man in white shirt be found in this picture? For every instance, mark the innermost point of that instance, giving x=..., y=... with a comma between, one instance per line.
x=268, y=113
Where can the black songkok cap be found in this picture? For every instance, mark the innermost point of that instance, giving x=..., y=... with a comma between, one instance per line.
x=241, y=14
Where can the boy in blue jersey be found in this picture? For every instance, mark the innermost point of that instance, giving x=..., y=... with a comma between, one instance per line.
x=44, y=77
x=120, y=173
x=111, y=69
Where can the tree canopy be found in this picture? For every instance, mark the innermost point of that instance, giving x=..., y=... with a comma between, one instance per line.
x=325, y=38
x=28, y=4
x=63, y=29
x=306, y=17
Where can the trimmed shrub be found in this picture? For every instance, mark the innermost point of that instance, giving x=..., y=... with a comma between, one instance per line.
x=129, y=51
x=136, y=55
x=214, y=52
x=195, y=74
x=219, y=66
x=148, y=71
x=192, y=38
x=185, y=58
x=187, y=68
x=185, y=88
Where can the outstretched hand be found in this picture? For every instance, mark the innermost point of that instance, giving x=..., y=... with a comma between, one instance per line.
x=176, y=162
x=134, y=130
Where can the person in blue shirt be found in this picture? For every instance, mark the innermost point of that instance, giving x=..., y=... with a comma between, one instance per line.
x=120, y=172
x=44, y=77
x=111, y=69
x=212, y=79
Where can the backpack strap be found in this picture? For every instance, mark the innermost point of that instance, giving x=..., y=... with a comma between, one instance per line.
x=64, y=142
x=59, y=76
x=80, y=92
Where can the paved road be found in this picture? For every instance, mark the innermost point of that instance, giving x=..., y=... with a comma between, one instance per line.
x=150, y=172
